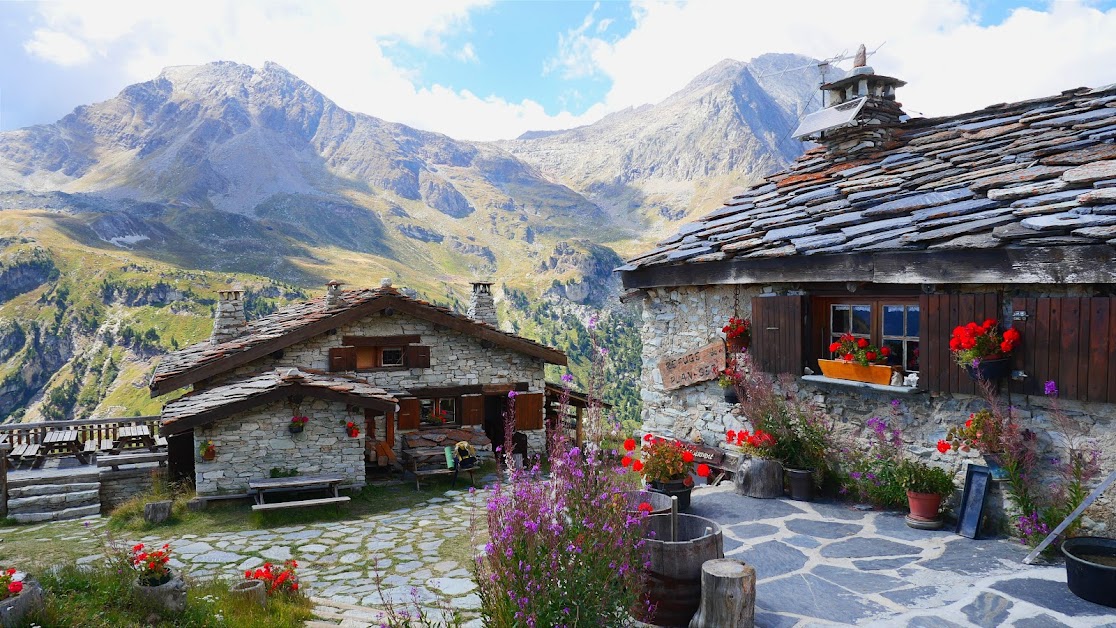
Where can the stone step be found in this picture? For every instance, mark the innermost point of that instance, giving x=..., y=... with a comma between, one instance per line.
x=84, y=477
x=51, y=489
x=58, y=515
x=47, y=503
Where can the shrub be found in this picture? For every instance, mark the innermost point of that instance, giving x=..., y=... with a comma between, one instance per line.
x=918, y=477
x=871, y=474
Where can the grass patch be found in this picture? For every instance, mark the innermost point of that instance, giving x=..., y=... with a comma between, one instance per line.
x=102, y=597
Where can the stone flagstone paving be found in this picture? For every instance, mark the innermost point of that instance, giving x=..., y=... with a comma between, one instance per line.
x=818, y=564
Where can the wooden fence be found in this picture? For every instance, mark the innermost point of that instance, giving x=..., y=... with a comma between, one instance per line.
x=88, y=429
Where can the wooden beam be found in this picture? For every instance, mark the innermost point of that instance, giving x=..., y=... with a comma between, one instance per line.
x=380, y=341
x=1028, y=265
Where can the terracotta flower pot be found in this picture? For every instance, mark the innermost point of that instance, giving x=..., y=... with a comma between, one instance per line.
x=870, y=373
x=924, y=505
x=209, y=455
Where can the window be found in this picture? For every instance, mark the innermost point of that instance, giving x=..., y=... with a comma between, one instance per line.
x=391, y=356
x=883, y=321
x=378, y=357
x=437, y=411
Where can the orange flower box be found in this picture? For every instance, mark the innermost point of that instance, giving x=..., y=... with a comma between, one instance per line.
x=871, y=373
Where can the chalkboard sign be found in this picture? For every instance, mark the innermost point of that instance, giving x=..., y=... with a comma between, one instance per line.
x=978, y=479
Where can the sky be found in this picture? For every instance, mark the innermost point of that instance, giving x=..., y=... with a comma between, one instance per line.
x=485, y=69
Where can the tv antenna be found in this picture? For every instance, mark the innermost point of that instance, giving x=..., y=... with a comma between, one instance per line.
x=825, y=65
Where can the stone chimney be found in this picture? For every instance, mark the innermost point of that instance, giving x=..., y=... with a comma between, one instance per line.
x=860, y=112
x=333, y=295
x=482, y=308
x=229, y=322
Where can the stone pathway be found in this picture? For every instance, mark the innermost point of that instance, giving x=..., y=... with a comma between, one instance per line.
x=828, y=563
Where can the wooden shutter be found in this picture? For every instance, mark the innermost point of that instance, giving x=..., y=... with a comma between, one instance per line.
x=342, y=359
x=938, y=315
x=409, y=411
x=472, y=409
x=528, y=411
x=1070, y=341
x=777, y=326
x=416, y=357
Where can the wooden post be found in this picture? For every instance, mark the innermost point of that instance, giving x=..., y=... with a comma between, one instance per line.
x=728, y=595
x=4, y=449
x=673, y=518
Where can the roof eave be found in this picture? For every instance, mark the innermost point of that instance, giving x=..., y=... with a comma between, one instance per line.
x=1092, y=264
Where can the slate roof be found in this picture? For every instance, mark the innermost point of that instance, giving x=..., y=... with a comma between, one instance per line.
x=1033, y=173
x=279, y=329
x=207, y=404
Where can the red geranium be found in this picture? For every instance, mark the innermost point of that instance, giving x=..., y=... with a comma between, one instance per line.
x=152, y=566
x=972, y=343
x=644, y=507
x=282, y=581
x=629, y=444
x=943, y=446
x=737, y=327
x=687, y=456
x=859, y=350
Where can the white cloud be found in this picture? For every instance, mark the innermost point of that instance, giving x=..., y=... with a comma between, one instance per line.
x=467, y=54
x=57, y=48
x=951, y=63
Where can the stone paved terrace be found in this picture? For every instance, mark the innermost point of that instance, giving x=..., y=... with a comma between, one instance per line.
x=824, y=563
x=818, y=564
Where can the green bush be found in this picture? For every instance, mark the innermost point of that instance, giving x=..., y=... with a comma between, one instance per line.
x=918, y=477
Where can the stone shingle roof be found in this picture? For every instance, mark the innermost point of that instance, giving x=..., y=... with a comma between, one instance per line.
x=209, y=404
x=1033, y=173
x=298, y=321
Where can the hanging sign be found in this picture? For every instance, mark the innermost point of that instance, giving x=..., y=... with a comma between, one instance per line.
x=700, y=365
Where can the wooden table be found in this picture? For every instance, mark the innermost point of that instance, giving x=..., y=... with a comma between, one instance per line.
x=66, y=441
x=137, y=435
x=425, y=461
x=258, y=489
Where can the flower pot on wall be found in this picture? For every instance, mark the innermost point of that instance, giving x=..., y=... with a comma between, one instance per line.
x=296, y=428
x=924, y=506
x=730, y=395
x=989, y=370
x=738, y=344
x=209, y=455
x=870, y=373
x=801, y=482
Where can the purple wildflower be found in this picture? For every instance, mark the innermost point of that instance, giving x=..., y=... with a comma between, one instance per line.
x=1050, y=389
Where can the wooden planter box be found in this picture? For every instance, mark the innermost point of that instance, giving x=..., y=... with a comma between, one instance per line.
x=871, y=373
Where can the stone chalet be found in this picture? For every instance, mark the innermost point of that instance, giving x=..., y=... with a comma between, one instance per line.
x=387, y=362
x=897, y=230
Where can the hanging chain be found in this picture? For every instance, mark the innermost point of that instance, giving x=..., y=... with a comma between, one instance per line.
x=736, y=300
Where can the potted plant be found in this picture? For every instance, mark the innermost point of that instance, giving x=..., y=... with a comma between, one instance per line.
x=926, y=486
x=738, y=334
x=982, y=351
x=983, y=432
x=666, y=465
x=352, y=430
x=729, y=380
x=763, y=473
x=156, y=583
x=857, y=360
x=18, y=598
x=207, y=450
x=276, y=581
x=297, y=424
x=801, y=444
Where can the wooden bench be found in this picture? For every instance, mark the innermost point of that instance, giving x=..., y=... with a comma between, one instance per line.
x=258, y=489
x=116, y=460
x=427, y=461
x=26, y=453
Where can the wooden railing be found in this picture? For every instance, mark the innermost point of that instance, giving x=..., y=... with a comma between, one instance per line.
x=88, y=429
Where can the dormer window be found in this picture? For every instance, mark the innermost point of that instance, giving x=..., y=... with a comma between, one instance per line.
x=372, y=353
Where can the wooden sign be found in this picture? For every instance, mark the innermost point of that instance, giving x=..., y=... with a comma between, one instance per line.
x=690, y=368
x=711, y=455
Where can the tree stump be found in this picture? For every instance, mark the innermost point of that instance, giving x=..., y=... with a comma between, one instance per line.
x=760, y=478
x=728, y=595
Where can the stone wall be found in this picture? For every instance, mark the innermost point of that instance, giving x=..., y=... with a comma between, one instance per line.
x=678, y=320
x=118, y=487
x=253, y=442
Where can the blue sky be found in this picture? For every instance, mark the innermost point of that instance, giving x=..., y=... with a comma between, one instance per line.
x=488, y=69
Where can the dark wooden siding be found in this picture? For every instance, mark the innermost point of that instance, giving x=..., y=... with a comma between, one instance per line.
x=409, y=410
x=777, y=332
x=342, y=359
x=1070, y=341
x=938, y=315
x=472, y=409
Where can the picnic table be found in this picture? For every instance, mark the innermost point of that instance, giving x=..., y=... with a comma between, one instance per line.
x=133, y=435
x=66, y=441
x=426, y=461
x=259, y=489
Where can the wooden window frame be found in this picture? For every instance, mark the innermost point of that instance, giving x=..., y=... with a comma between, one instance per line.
x=436, y=402
x=822, y=333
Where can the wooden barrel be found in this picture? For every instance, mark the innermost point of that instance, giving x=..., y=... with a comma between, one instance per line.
x=674, y=575
x=660, y=503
